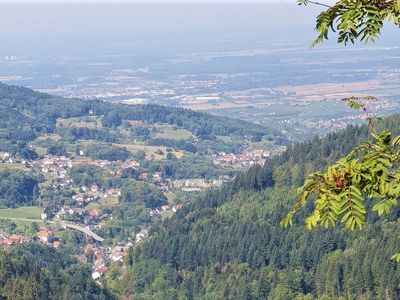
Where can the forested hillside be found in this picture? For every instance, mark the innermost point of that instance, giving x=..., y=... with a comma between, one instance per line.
x=25, y=115
x=229, y=244
x=39, y=272
x=132, y=153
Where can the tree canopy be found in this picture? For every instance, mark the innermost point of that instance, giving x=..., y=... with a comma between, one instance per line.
x=354, y=19
x=369, y=175
x=369, y=172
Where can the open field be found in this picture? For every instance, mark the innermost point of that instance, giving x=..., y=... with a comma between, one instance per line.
x=174, y=134
x=150, y=150
x=109, y=202
x=15, y=167
x=30, y=212
x=268, y=98
x=219, y=105
x=49, y=136
x=89, y=122
x=334, y=91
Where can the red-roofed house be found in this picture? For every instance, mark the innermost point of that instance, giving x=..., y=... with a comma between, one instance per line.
x=15, y=238
x=88, y=248
x=94, y=188
x=94, y=213
x=44, y=235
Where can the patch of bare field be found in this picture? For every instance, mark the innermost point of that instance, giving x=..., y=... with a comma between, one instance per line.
x=49, y=136
x=221, y=105
x=333, y=90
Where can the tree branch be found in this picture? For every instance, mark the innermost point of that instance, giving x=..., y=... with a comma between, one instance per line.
x=320, y=4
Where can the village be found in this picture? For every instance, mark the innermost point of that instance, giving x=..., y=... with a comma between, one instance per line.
x=90, y=218
x=56, y=170
x=98, y=257
x=242, y=160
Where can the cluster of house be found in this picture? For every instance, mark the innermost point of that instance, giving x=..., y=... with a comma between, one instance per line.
x=100, y=257
x=333, y=124
x=47, y=237
x=189, y=185
x=91, y=162
x=244, y=159
x=43, y=235
x=120, y=165
x=129, y=163
x=78, y=211
x=56, y=167
x=97, y=256
x=92, y=219
x=93, y=193
x=8, y=158
x=7, y=241
x=163, y=209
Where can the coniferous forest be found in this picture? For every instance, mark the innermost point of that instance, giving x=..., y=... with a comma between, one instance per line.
x=162, y=209
x=40, y=272
x=230, y=245
x=227, y=244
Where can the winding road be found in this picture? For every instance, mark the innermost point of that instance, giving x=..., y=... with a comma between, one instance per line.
x=62, y=223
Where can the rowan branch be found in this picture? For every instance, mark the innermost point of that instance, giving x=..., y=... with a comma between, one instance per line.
x=305, y=2
x=320, y=4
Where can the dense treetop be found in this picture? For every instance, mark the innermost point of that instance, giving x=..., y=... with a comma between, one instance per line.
x=229, y=244
x=354, y=19
x=27, y=114
x=40, y=272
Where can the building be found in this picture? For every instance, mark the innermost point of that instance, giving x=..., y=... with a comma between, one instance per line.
x=94, y=188
x=141, y=235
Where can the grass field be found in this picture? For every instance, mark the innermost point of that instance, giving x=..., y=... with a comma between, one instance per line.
x=49, y=136
x=89, y=122
x=109, y=202
x=30, y=212
x=149, y=150
x=15, y=167
x=173, y=134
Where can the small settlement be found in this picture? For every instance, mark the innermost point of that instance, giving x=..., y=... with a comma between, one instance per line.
x=99, y=257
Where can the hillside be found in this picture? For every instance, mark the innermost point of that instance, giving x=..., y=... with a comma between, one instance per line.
x=38, y=272
x=27, y=115
x=109, y=170
x=122, y=171
x=229, y=244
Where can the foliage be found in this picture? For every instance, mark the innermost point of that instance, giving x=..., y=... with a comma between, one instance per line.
x=355, y=19
x=26, y=115
x=178, y=144
x=18, y=189
x=370, y=171
x=39, y=272
x=228, y=244
x=106, y=152
x=142, y=193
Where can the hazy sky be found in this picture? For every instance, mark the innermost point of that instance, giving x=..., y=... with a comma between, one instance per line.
x=143, y=1
x=27, y=29
x=155, y=1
